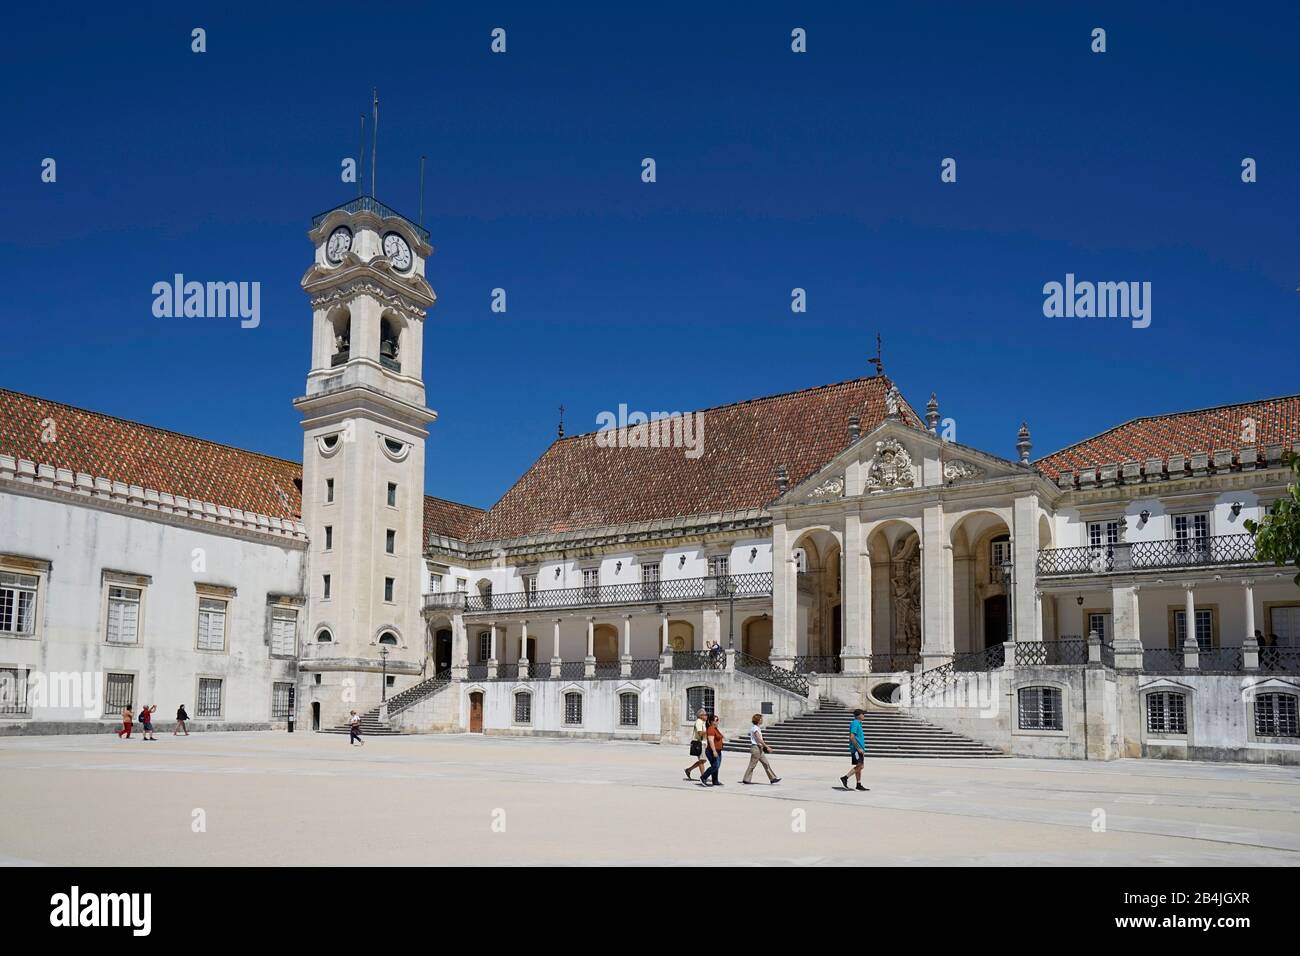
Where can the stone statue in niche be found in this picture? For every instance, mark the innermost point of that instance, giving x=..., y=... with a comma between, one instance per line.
x=905, y=583
x=890, y=467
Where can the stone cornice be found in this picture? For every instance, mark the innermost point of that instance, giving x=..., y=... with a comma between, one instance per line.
x=1128, y=489
x=21, y=476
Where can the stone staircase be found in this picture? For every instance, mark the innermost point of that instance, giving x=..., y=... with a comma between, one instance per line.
x=372, y=726
x=824, y=732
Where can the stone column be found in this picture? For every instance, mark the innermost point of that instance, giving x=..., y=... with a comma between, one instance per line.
x=523, y=651
x=1191, y=649
x=712, y=627
x=936, y=589
x=556, y=660
x=459, y=647
x=1026, y=624
x=1249, y=587
x=785, y=599
x=857, y=600
x=1124, y=609
x=664, y=624
x=589, y=663
x=625, y=661
x=492, y=659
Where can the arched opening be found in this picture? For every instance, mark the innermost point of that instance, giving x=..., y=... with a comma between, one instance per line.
x=756, y=637
x=894, y=548
x=323, y=636
x=389, y=638
x=981, y=581
x=819, y=586
x=442, y=650
x=390, y=342
x=681, y=635
x=340, y=327
x=605, y=643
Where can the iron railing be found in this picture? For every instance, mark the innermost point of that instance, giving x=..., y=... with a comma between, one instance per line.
x=699, y=661
x=607, y=670
x=451, y=600
x=1189, y=552
x=1282, y=659
x=892, y=663
x=645, y=669
x=937, y=679
x=769, y=673
x=824, y=664
x=1163, y=660
x=1219, y=660
x=573, y=670
x=1065, y=651
x=370, y=204
x=736, y=586
x=1108, y=655
x=477, y=672
x=413, y=695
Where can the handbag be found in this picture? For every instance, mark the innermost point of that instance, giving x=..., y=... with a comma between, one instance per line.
x=696, y=748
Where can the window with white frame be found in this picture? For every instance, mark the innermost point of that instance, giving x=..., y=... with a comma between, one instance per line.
x=697, y=697
x=523, y=707
x=1191, y=532
x=719, y=566
x=650, y=580
x=530, y=587
x=18, y=603
x=435, y=583
x=1284, y=624
x=209, y=704
x=485, y=646
x=123, y=624
x=212, y=624
x=119, y=693
x=462, y=584
x=1102, y=534
x=13, y=692
x=590, y=578
x=284, y=631
x=1166, y=712
x=1040, y=708
x=1276, y=715
x=1204, y=628
x=280, y=693
x=572, y=708
x=1099, y=621
x=629, y=709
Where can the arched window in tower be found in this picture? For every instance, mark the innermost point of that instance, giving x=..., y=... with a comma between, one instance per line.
x=390, y=336
x=341, y=336
x=389, y=638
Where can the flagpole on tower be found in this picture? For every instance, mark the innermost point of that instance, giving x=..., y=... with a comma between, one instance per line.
x=374, y=145
x=421, y=190
x=361, y=156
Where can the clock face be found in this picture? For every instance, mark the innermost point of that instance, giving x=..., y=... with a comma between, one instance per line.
x=397, y=251
x=340, y=242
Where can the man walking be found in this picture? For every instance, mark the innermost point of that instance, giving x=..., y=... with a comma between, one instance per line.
x=354, y=727
x=758, y=749
x=698, y=739
x=857, y=750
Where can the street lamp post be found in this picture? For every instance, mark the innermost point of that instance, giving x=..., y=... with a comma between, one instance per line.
x=383, y=687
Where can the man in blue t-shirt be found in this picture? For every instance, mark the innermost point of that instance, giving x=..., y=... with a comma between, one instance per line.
x=857, y=750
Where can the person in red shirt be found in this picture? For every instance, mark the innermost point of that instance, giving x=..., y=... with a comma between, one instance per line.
x=714, y=740
x=126, y=723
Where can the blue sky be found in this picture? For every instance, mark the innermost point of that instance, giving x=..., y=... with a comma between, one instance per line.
x=775, y=171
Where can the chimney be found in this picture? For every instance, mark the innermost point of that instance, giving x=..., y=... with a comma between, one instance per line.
x=932, y=414
x=855, y=427
x=1023, y=443
x=782, y=479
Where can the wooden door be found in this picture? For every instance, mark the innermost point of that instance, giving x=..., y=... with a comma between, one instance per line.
x=476, y=713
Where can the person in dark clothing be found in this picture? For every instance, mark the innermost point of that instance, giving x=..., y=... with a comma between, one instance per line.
x=181, y=717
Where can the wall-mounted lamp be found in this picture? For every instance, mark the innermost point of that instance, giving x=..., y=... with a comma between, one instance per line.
x=1079, y=600
x=753, y=553
x=1145, y=515
x=557, y=572
x=1236, y=508
x=681, y=562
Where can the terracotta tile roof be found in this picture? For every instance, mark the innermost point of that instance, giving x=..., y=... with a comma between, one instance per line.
x=577, y=484
x=107, y=447
x=449, y=518
x=114, y=448
x=1277, y=421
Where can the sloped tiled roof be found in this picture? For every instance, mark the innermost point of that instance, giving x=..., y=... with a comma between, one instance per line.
x=449, y=518
x=578, y=484
x=1276, y=421
x=106, y=447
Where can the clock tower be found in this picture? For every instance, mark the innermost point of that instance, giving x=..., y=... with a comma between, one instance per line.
x=364, y=424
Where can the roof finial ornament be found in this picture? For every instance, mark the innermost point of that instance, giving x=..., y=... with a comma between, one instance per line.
x=932, y=413
x=893, y=401
x=782, y=479
x=877, y=361
x=855, y=427
x=1023, y=444
x=561, y=428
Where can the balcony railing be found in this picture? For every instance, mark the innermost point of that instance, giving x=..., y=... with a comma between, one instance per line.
x=1149, y=555
x=452, y=600
x=370, y=204
x=657, y=592
x=1065, y=651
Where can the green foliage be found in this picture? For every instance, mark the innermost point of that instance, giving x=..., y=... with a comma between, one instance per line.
x=1277, y=537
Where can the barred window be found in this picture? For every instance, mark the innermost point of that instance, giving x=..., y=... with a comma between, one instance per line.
x=119, y=692
x=17, y=603
x=523, y=708
x=1040, y=708
x=284, y=631
x=1276, y=715
x=629, y=709
x=697, y=697
x=280, y=694
x=209, y=697
x=1166, y=713
x=573, y=708
x=123, y=625
x=13, y=691
x=212, y=624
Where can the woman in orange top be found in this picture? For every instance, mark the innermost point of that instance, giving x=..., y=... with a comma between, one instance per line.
x=713, y=750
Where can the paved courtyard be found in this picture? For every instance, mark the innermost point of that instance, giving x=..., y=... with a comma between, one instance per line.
x=274, y=798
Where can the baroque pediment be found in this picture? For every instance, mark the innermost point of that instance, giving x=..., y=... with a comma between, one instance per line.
x=889, y=468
